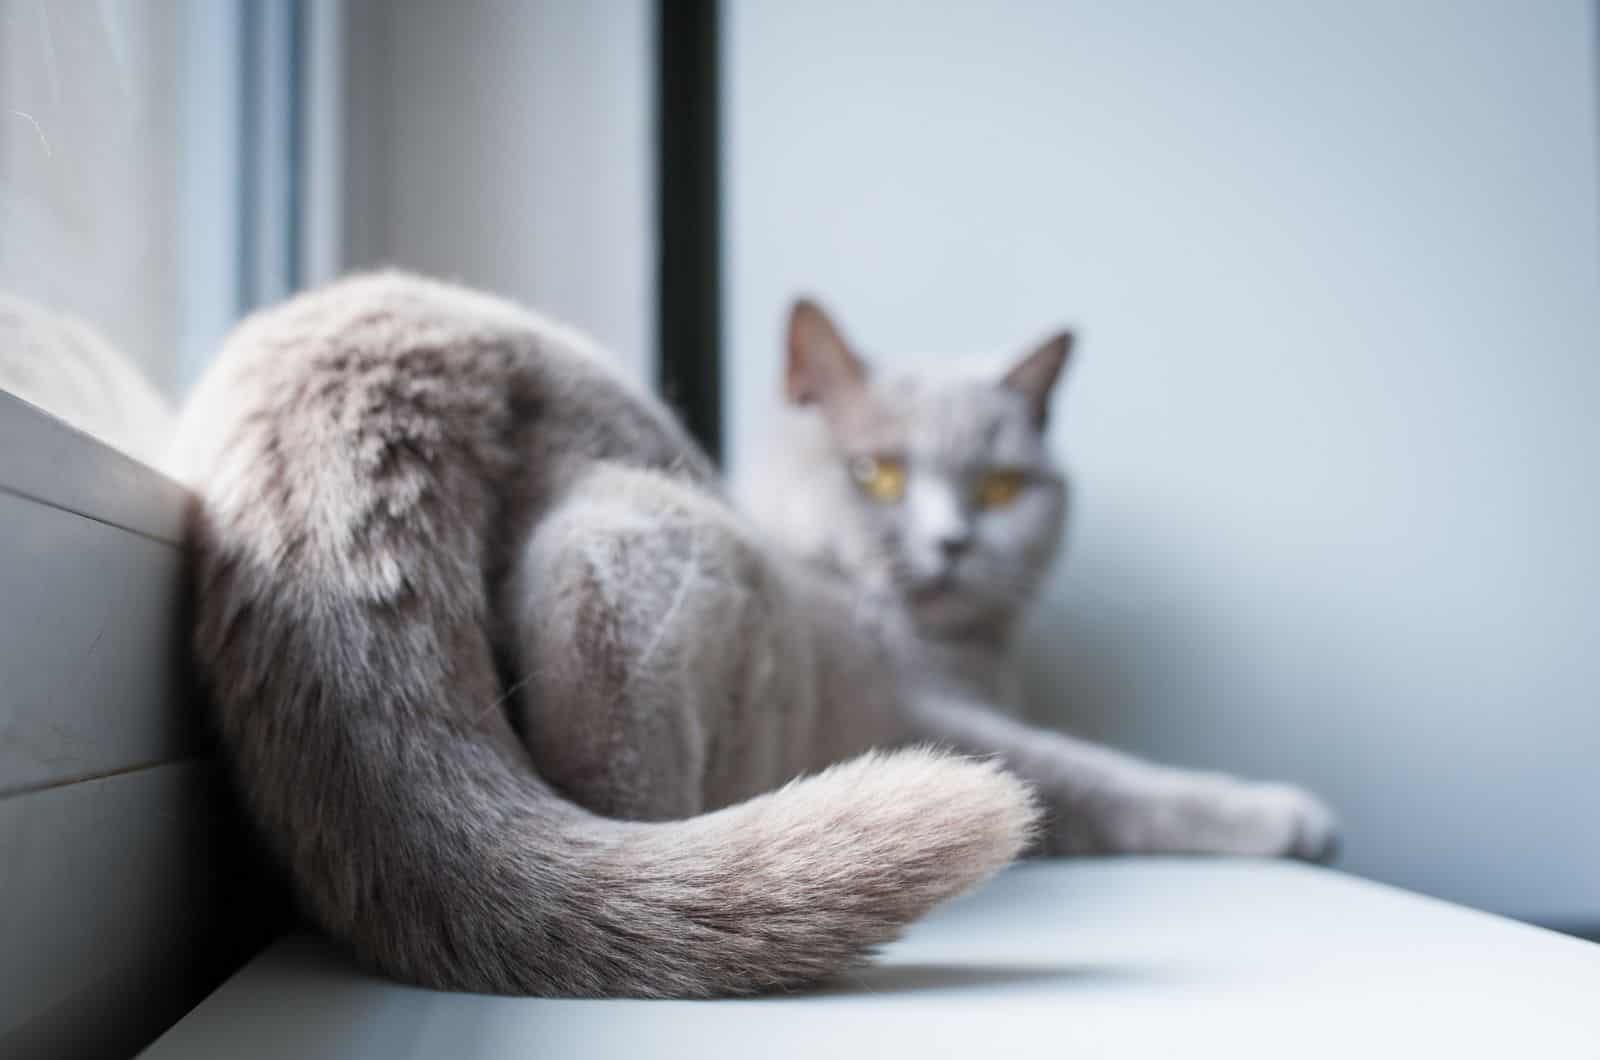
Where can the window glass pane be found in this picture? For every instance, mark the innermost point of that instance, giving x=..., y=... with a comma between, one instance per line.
x=115, y=184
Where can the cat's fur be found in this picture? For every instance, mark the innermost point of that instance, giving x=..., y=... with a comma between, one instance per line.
x=422, y=511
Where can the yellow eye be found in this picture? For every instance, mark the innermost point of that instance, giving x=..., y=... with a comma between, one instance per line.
x=996, y=489
x=881, y=478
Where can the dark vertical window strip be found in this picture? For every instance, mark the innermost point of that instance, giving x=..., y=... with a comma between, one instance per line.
x=1594, y=32
x=688, y=215
x=293, y=244
x=249, y=153
x=272, y=46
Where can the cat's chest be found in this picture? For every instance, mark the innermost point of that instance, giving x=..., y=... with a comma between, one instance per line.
x=977, y=673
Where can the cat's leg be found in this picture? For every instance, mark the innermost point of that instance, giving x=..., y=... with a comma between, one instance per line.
x=620, y=590
x=1102, y=801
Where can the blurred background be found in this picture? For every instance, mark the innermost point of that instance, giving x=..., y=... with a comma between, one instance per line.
x=1335, y=266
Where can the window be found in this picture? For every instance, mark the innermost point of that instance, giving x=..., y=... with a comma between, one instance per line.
x=152, y=164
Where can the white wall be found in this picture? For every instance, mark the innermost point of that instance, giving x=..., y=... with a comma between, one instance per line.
x=509, y=144
x=1333, y=422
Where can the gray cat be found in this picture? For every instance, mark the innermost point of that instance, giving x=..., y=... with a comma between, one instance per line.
x=521, y=702
x=935, y=499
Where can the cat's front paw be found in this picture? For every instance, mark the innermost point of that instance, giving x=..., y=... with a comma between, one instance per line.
x=1212, y=813
x=1287, y=821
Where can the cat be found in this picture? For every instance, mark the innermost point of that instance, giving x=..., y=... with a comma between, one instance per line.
x=523, y=706
x=936, y=500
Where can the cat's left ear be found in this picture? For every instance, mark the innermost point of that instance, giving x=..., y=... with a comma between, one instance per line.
x=1035, y=375
x=822, y=368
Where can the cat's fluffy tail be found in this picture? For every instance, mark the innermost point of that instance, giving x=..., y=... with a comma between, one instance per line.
x=361, y=458
x=779, y=891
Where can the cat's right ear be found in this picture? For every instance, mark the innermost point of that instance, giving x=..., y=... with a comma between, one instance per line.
x=1035, y=375
x=821, y=367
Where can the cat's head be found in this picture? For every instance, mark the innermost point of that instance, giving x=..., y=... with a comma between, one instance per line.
x=936, y=491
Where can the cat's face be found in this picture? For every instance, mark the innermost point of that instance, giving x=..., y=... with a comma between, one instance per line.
x=942, y=490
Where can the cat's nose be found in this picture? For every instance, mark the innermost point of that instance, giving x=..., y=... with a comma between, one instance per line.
x=953, y=546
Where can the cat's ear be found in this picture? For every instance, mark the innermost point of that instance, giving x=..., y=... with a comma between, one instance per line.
x=821, y=366
x=1035, y=375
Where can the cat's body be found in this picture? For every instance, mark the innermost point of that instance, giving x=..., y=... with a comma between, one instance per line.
x=422, y=513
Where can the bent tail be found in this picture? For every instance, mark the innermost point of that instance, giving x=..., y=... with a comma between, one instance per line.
x=783, y=890
x=356, y=460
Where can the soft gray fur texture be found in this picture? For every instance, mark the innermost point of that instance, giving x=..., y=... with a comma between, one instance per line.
x=422, y=512
x=399, y=484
